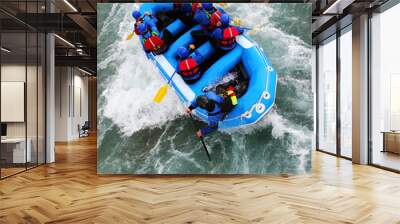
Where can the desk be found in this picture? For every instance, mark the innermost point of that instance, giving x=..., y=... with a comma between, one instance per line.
x=16, y=147
x=391, y=141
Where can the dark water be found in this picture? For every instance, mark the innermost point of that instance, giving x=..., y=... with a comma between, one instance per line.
x=138, y=136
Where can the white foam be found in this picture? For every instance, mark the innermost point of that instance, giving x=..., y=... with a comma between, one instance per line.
x=129, y=93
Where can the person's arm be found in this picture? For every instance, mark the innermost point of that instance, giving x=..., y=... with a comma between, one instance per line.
x=197, y=57
x=154, y=29
x=151, y=23
x=212, y=126
x=240, y=29
x=153, y=18
x=193, y=105
x=217, y=34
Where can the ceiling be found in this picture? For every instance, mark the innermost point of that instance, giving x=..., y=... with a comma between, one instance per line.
x=332, y=15
x=75, y=23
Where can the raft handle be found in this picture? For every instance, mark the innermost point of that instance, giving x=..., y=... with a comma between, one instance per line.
x=260, y=108
x=266, y=95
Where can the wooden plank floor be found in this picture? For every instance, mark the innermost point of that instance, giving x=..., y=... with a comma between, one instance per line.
x=70, y=191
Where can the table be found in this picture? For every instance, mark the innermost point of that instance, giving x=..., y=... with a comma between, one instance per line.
x=391, y=141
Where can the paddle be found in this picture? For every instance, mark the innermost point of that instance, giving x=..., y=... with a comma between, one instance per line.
x=201, y=138
x=237, y=22
x=130, y=36
x=222, y=4
x=247, y=28
x=162, y=92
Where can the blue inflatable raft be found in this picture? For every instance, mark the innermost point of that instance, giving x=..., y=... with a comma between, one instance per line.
x=255, y=102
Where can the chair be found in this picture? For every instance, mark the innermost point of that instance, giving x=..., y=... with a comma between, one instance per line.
x=84, y=130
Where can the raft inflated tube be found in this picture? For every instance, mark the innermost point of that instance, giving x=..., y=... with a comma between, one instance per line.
x=260, y=96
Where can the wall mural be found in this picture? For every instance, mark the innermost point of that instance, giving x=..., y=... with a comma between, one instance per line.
x=204, y=88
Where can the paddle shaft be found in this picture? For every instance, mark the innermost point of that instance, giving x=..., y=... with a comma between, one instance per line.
x=172, y=76
x=247, y=28
x=201, y=138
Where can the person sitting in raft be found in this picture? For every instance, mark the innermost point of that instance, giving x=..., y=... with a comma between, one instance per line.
x=217, y=107
x=214, y=14
x=197, y=6
x=189, y=64
x=183, y=11
x=225, y=36
x=148, y=19
x=202, y=18
x=151, y=40
x=238, y=86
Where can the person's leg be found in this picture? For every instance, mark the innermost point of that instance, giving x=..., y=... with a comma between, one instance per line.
x=209, y=129
x=241, y=88
x=199, y=36
x=187, y=20
x=218, y=51
x=173, y=14
x=167, y=37
x=192, y=81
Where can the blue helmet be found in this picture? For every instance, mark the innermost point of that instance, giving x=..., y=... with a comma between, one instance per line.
x=201, y=17
x=136, y=14
x=225, y=19
x=186, y=7
x=182, y=52
x=142, y=28
x=207, y=6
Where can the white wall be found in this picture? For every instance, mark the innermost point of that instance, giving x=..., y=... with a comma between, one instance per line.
x=17, y=73
x=33, y=126
x=61, y=103
x=71, y=94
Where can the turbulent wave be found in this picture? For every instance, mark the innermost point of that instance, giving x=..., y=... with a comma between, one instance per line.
x=158, y=138
x=129, y=93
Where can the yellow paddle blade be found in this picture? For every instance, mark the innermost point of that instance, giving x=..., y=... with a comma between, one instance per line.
x=254, y=30
x=236, y=21
x=161, y=94
x=130, y=36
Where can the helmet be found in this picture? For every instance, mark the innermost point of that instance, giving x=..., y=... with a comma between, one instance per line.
x=182, y=52
x=225, y=19
x=207, y=6
x=136, y=14
x=142, y=28
x=201, y=17
x=202, y=101
x=186, y=7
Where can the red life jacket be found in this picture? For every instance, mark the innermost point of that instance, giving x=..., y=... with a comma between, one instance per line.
x=153, y=43
x=215, y=18
x=196, y=6
x=188, y=68
x=228, y=36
